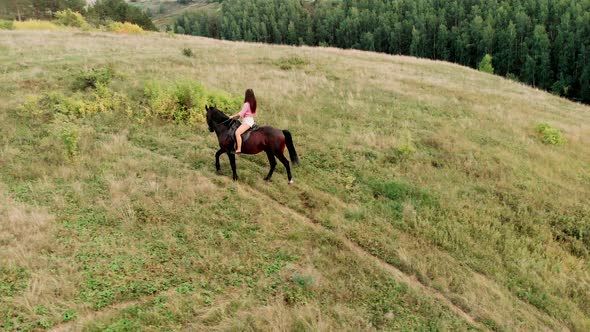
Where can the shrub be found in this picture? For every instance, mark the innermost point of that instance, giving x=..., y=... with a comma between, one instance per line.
x=6, y=25
x=35, y=25
x=93, y=77
x=187, y=52
x=486, y=64
x=51, y=104
x=70, y=18
x=54, y=104
x=549, y=135
x=126, y=27
x=184, y=101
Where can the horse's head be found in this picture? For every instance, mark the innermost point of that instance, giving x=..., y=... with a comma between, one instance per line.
x=215, y=117
x=210, y=118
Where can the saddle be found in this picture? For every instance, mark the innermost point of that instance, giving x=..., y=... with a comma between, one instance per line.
x=232, y=133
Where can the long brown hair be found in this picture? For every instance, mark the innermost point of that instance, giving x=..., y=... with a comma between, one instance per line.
x=251, y=99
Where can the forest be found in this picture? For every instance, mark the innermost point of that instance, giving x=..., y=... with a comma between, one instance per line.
x=543, y=43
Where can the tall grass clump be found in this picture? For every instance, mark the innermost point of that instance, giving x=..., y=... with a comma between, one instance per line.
x=6, y=25
x=549, y=135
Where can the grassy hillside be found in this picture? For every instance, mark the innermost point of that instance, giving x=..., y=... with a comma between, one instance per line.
x=425, y=198
x=165, y=12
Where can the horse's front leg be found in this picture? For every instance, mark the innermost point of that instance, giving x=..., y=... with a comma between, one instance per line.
x=232, y=162
x=217, y=155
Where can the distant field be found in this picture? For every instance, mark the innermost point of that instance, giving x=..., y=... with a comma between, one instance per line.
x=425, y=198
x=165, y=12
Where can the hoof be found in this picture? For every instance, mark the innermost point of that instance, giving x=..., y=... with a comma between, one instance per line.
x=267, y=180
x=290, y=181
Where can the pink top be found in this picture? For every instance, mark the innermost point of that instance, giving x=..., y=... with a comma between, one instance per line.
x=246, y=111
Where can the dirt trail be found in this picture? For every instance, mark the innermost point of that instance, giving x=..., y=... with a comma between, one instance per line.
x=400, y=276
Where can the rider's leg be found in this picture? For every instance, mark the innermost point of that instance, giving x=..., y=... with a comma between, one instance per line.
x=243, y=127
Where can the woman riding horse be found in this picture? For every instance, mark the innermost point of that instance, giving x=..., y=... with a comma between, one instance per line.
x=247, y=113
x=268, y=139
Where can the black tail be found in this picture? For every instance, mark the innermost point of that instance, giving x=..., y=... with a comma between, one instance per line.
x=291, y=147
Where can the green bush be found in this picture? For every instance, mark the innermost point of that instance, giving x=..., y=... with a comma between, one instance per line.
x=70, y=18
x=486, y=64
x=6, y=25
x=184, y=101
x=549, y=135
x=93, y=77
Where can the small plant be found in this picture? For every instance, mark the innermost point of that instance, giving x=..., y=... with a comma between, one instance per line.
x=6, y=25
x=70, y=136
x=405, y=149
x=486, y=64
x=187, y=52
x=549, y=135
x=299, y=290
x=70, y=18
x=69, y=315
x=94, y=77
x=185, y=288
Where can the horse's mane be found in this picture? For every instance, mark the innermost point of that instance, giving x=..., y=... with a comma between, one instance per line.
x=219, y=116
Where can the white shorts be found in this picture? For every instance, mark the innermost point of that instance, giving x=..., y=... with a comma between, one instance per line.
x=249, y=121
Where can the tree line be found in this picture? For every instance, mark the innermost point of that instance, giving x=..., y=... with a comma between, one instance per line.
x=545, y=43
x=99, y=13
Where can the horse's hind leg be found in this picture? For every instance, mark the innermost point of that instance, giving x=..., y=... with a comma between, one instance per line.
x=285, y=162
x=217, y=155
x=273, y=164
x=232, y=162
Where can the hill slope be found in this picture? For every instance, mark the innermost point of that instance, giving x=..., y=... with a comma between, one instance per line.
x=424, y=198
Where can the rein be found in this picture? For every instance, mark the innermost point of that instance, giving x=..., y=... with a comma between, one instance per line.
x=222, y=122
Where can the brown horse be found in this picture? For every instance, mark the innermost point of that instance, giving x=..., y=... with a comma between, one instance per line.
x=268, y=139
